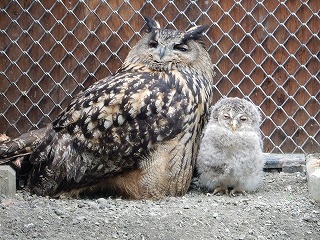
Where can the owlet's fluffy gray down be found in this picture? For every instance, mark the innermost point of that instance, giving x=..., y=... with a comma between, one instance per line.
x=230, y=155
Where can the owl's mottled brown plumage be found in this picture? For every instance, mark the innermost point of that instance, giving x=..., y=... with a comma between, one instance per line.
x=135, y=133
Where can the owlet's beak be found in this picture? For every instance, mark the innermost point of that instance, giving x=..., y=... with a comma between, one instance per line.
x=234, y=125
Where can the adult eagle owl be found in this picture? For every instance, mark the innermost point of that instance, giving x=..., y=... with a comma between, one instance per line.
x=135, y=133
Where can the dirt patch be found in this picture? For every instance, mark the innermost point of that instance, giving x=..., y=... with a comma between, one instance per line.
x=280, y=210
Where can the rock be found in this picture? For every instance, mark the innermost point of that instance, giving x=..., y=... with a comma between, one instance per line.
x=313, y=175
x=7, y=180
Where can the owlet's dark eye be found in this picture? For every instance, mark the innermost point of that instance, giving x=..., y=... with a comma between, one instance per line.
x=243, y=119
x=153, y=43
x=226, y=116
x=181, y=47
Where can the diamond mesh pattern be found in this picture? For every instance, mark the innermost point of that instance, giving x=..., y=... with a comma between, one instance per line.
x=267, y=51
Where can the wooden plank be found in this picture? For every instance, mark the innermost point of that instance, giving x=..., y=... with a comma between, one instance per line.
x=285, y=162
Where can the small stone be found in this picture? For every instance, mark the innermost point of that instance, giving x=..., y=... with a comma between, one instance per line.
x=81, y=218
x=242, y=236
x=283, y=232
x=81, y=205
x=29, y=225
x=59, y=212
x=260, y=237
x=215, y=215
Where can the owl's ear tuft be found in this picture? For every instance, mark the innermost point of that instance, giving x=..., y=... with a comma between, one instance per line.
x=194, y=33
x=151, y=24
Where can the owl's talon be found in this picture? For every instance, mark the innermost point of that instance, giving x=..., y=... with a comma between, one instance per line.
x=220, y=191
x=316, y=164
x=235, y=192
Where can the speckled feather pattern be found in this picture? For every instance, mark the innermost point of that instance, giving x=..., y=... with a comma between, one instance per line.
x=110, y=119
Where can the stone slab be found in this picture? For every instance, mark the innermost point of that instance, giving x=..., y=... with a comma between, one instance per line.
x=7, y=180
x=313, y=175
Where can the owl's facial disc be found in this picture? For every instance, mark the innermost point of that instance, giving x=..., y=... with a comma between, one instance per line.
x=166, y=50
x=235, y=122
x=230, y=121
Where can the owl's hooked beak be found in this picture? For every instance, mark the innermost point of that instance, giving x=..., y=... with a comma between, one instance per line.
x=162, y=51
x=234, y=125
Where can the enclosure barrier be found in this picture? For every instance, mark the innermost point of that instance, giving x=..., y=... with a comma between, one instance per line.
x=267, y=51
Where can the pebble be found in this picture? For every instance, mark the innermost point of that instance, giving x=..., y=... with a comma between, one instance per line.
x=310, y=218
x=29, y=225
x=59, y=212
x=92, y=205
x=242, y=236
x=283, y=232
x=81, y=218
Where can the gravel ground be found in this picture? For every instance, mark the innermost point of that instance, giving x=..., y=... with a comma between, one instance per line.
x=280, y=210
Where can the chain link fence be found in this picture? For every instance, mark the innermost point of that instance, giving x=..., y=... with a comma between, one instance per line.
x=267, y=51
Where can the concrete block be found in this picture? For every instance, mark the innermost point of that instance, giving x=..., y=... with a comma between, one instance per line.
x=313, y=175
x=7, y=180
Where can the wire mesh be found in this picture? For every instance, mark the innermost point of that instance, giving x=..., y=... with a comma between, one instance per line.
x=267, y=51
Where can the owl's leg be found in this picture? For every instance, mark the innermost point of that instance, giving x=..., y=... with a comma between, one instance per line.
x=235, y=191
x=166, y=171
x=220, y=190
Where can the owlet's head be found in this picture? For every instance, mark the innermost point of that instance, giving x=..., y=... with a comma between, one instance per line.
x=166, y=49
x=236, y=114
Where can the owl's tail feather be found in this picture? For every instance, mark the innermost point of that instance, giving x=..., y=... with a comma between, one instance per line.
x=21, y=146
x=55, y=166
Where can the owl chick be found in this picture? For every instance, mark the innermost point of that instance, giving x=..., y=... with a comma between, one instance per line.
x=134, y=134
x=230, y=155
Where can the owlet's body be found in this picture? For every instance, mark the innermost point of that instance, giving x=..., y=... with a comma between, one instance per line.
x=230, y=155
x=135, y=133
